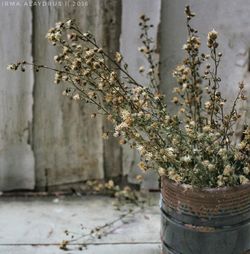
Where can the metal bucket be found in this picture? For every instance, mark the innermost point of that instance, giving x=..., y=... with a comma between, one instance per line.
x=205, y=221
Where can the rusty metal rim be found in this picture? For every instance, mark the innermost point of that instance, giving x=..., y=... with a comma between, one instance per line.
x=244, y=204
x=203, y=216
x=225, y=208
x=228, y=201
x=225, y=197
x=204, y=220
x=191, y=193
x=216, y=228
x=223, y=214
x=186, y=187
x=232, y=211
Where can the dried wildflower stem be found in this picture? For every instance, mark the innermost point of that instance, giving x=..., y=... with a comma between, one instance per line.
x=229, y=123
x=85, y=38
x=215, y=83
x=89, y=98
x=103, y=230
x=147, y=41
x=39, y=66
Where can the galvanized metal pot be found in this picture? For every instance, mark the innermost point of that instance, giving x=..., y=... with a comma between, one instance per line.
x=205, y=221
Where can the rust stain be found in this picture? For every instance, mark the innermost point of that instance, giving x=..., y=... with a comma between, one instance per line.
x=207, y=203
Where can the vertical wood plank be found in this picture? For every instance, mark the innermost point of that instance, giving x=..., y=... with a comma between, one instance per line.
x=67, y=143
x=111, y=22
x=16, y=156
x=131, y=12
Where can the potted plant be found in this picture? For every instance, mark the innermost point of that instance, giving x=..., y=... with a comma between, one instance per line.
x=205, y=175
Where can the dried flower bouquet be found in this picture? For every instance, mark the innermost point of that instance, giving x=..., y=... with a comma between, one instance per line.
x=193, y=146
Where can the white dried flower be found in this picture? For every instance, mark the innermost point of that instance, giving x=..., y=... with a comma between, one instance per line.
x=186, y=158
x=212, y=35
x=142, y=166
x=206, y=128
x=220, y=181
x=222, y=152
x=161, y=171
x=59, y=24
x=125, y=114
x=116, y=134
x=105, y=135
x=205, y=163
x=141, y=149
x=243, y=179
x=65, y=50
x=228, y=170
x=207, y=104
x=58, y=35
x=11, y=67
x=142, y=49
x=185, y=46
x=121, y=126
x=118, y=57
x=211, y=167
x=56, y=59
x=141, y=69
x=246, y=170
x=76, y=97
x=68, y=24
x=148, y=156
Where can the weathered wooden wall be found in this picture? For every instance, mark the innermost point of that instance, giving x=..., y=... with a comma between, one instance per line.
x=16, y=155
x=70, y=148
x=67, y=144
x=49, y=141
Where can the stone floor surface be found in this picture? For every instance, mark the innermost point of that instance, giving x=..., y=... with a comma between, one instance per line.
x=36, y=225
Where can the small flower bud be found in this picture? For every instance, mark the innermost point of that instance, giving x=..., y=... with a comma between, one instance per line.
x=76, y=97
x=241, y=85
